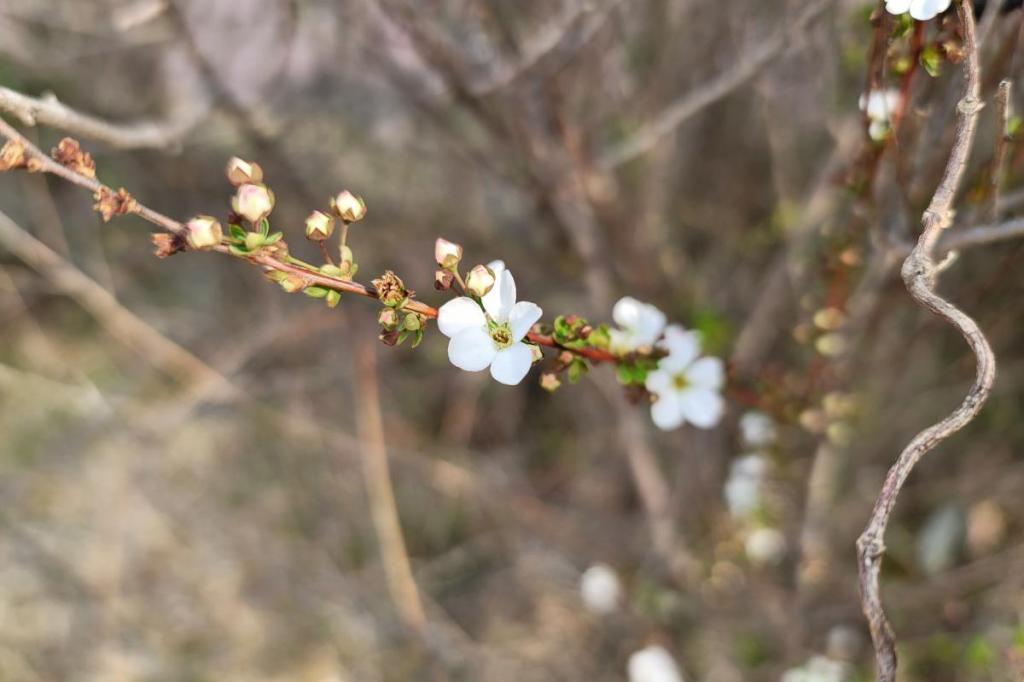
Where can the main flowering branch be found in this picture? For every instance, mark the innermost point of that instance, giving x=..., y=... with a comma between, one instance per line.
x=920, y=272
x=487, y=327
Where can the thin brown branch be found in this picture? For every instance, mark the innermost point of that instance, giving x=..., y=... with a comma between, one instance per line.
x=381, y=493
x=920, y=273
x=108, y=311
x=650, y=134
x=1002, y=139
x=50, y=112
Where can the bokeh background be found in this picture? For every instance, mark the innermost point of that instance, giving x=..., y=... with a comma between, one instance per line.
x=184, y=451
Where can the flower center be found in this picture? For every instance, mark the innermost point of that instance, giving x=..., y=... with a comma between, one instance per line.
x=502, y=336
x=679, y=382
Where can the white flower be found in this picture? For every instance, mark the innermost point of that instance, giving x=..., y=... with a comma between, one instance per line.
x=641, y=325
x=817, y=669
x=494, y=340
x=653, y=664
x=600, y=588
x=880, y=105
x=757, y=429
x=687, y=387
x=922, y=10
x=743, y=487
x=765, y=546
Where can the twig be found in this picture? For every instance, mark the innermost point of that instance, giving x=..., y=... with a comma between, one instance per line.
x=377, y=477
x=1002, y=138
x=49, y=112
x=919, y=274
x=44, y=163
x=119, y=321
x=650, y=134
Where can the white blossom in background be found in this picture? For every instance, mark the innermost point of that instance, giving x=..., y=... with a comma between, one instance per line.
x=494, y=339
x=818, y=669
x=880, y=105
x=653, y=664
x=922, y=10
x=687, y=386
x=757, y=429
x=765, y=546
x=640, y=325
x=743, y=487
x=600, y=588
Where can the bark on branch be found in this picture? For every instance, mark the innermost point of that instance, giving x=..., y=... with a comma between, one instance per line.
x=920, y=272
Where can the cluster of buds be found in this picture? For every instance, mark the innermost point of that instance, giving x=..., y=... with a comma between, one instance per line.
x=447, y=255
x=253, y=200
x=396, y=326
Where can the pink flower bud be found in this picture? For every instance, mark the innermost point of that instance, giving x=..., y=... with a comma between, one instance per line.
x=253, y=202
x=203, y=232
x=319, y=226
x=241, y=172
x=348, y=207
x=446, y=253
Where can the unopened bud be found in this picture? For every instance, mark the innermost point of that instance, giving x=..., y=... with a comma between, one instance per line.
x=203, y=232
x=241, y=172
x=293, y=282
x=447, y=254
x=549, y=381
x=480, y=280
x=443, y=280
x=348, y=206
x=412, y=322
x=388, y=319
x=253, y=202
x=536, y=354
x=319, y=226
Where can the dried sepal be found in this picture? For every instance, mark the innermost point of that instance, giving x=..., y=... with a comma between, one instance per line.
x=109, y=204
x=165, y=244
x=13, y=156
x=70, y=154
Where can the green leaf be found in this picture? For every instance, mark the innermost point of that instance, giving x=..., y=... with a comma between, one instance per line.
x=402, y=336
x=264, y=227
x=419, y=338
x=599, y=337
x=238, y=250
x=577, y=368
x=316, y=292
x=253, y=241
x=931, y=60
x=331, y=270
x=274, y=238
x=1013, y=126
x=333, y=297
x=237, y=232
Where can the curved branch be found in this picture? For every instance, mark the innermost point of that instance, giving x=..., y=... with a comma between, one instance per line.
x=920, y=273
x=50, y=112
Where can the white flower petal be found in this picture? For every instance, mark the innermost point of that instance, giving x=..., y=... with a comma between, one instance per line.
x=706, y=373
x=653, y=664
x=701, y=407
x=621, y=341
x=923, y=10
x=511, y=364
x=683, y=348
x=471, y=349
x=658, y=382
x=497, y=267
x=666, y=411
x=458, y=314
x=650, y=325
x=499, y=300
x=897, y=6
x=626, y=312
x=523, y=316
x=758, y=429
x=600, y=588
